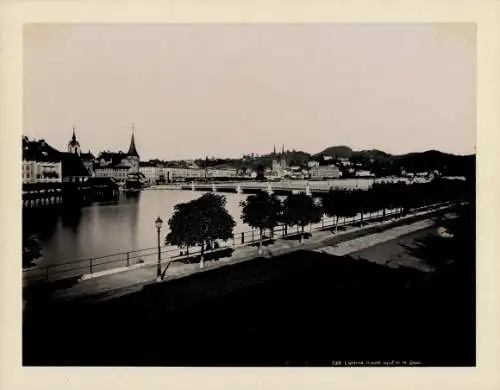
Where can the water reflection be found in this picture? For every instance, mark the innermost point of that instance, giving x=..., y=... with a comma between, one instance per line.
x=121, y=225
x=109, y=227
x=70, y=219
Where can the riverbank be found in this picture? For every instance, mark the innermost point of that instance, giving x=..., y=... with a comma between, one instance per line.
x=128, y=280
x=306, y=307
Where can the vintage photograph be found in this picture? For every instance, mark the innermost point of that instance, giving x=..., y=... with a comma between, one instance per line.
x=249, y=195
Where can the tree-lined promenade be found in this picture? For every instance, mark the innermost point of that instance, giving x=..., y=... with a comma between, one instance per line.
x=205, y=220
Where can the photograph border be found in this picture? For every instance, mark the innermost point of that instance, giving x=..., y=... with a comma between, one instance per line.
x=484, y=13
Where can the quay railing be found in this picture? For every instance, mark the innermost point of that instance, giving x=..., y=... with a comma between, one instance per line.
x=169, y=254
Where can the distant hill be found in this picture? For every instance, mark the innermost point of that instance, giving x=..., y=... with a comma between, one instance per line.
x=347, y=152
x=372, y=153
x=336, y=151
x=449, y=164
x=386, y=163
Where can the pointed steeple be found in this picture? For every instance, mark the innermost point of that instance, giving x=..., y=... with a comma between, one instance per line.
x=283, y=150
x=274, y=150
x=132, y=151
x=74, y=145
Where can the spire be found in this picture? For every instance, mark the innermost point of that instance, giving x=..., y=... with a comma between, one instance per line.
x=132, y=151
x=274, y=150
x=74, y=136
x=283, y=150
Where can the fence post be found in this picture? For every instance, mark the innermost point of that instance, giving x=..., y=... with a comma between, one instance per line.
x=253, y=237
x=90, y=265
x=322, y=222
x=242, y=237
x=47, y=273
x=128, y=259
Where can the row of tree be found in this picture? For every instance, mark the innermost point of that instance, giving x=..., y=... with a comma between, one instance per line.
x=204, y=220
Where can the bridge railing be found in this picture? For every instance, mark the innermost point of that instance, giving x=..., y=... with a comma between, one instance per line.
x=77, y=268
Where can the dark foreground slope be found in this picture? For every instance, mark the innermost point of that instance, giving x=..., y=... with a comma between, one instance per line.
x=302, y=308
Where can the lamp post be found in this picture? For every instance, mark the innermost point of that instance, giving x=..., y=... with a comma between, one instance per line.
x=158, y=224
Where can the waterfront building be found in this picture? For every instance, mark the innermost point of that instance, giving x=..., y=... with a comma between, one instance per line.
x=181, y=174
x=324, y=172
x=222, y=172
x=132, y=155
x=116, y=172
x=118, y=165
x=42, y=172
x=73, y=169
x=44, y=164
x=151, y=171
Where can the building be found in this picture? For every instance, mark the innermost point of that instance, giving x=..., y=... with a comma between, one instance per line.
x=74, y=145
x=364, y=173
x=118, y=165
x=74, y=167
x=279, y=164
x=344, y=161
x=312, y=164
x=41, y=162
x=182, y=174
x=222, y=172
x=118, y=172
x=324, y=172
x=42, y=172
x=152, y=172
x=88, y=160
x=132, y=155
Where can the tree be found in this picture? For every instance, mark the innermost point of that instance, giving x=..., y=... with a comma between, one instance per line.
x=300, y=210
x=260, y=172
x=378, y=197
x=261, y=211
x=182, y=224
x=214, y=222
x=200, y=222
x=340, y=203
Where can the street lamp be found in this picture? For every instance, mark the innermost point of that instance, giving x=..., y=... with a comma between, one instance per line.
x=158, y=224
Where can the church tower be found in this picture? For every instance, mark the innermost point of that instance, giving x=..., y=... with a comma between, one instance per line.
x=132, y=155
x=283, y=158
x=74, y=145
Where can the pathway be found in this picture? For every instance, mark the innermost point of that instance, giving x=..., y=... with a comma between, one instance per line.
x=342, y=243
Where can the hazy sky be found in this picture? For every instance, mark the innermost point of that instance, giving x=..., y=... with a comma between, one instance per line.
x=225, y=90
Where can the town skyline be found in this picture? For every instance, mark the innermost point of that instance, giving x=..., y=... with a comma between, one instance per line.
x=276, y=150
x=227, y=91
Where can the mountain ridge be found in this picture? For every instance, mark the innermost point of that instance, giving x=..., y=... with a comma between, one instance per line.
x=346, y=151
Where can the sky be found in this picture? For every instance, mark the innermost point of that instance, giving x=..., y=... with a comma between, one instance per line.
x=195, y=90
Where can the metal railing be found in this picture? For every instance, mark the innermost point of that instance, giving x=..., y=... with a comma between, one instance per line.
x=77, y=268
